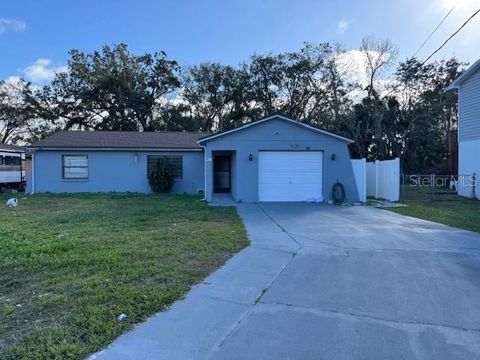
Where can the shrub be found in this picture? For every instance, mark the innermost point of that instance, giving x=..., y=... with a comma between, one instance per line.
x=161, y=176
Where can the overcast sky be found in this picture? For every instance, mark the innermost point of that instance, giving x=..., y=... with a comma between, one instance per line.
x=35, y=35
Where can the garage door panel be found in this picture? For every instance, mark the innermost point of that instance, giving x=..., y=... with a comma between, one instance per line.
x=290, y=175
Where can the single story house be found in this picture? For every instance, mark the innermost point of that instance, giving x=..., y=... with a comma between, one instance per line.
x=468, y=87
x=272, y=159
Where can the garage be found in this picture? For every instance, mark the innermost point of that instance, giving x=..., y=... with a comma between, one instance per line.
x=277, y=159
x=290, y=175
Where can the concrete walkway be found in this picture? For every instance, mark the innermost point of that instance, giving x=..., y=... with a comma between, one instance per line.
x=326, y=282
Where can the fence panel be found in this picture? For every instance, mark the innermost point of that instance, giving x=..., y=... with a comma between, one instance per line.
x=371, y=179
x=383, y=179
x=360, y=172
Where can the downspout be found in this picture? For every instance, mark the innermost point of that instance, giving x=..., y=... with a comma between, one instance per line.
x=33, y=172
x=204, y=172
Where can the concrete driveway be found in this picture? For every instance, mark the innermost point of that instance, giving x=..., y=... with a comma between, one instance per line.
x=327, y=282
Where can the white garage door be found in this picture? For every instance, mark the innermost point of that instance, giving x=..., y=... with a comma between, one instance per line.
x=290, y=175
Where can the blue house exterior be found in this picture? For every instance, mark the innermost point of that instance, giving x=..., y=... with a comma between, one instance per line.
x=117, y=170
x=246, y=145
x=272, y=159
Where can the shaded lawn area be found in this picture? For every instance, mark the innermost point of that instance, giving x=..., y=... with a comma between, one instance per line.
x=449, y=210
x=70, y=264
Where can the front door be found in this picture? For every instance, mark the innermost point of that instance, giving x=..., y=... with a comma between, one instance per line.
x=221, y=174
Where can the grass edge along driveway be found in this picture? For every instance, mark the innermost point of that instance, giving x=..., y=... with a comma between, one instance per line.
x=457, y=212
x=70, y=264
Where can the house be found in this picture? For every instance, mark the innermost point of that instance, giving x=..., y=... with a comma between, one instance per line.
x=468, y=87
x=271, y=159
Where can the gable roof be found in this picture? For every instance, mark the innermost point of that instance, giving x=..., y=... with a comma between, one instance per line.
x=162, y=140
x=272, y=117
x=466, y=74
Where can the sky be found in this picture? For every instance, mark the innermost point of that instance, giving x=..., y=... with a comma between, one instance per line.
x=36, y=35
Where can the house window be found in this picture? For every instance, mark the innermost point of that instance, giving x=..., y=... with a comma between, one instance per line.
x=175, y=160
x=75, y=166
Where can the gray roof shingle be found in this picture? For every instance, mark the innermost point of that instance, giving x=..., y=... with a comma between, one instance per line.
x=121, y=140
x=9, y=147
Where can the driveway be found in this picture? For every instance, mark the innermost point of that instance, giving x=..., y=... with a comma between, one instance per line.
x=326, y=282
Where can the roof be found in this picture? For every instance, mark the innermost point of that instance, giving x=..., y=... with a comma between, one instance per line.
x=465, y=75
x=174, y=140
x=272, y=117
x=8, y=147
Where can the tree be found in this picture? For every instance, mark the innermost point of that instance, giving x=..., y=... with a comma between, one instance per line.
x=332, y=100
x=207, y=90
x=242, y=107
x=115, y=90
x=15, y=113
x=175, y=117
x=109, y=90
x=379, y=56
x=265, y=82
x=428, y=112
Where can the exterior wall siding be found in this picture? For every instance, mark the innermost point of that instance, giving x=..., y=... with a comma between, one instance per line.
x=468, y=165
x=469, y=109
x=112, y=171
x=277, y=134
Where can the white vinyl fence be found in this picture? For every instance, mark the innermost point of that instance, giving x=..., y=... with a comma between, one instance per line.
x=380, y=179
x=360, y=172
x=383, y=179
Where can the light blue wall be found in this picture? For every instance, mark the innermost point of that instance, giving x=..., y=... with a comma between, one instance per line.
x=112, y=171
x=469, y=109
x=277, y=134
x=118, y=170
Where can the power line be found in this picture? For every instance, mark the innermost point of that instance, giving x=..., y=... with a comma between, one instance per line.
x=441, y=46
x=435, y=30
x=451, y=36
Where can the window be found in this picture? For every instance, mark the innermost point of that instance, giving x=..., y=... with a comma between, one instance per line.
x=175, y=160
x=10, y=160
x=75, y=166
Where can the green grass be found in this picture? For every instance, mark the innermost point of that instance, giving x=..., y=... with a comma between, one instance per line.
x=70, y=264
x=446, y=209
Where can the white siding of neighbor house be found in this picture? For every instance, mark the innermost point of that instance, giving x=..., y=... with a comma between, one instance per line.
x=469, y=109
x=469, y=164
x=469, y=136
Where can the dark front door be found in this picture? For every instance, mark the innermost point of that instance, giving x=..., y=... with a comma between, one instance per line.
x=221, y=174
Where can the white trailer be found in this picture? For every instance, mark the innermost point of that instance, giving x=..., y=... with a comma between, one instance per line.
x=11, y=172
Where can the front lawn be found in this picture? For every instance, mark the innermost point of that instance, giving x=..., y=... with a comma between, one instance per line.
x=70, y=264
x=449, y=210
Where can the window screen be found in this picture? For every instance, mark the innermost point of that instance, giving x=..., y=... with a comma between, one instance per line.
x=75, y=166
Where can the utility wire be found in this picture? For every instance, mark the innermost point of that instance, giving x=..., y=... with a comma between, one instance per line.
x=451, y=36
x=435, y=30
x=441, y=46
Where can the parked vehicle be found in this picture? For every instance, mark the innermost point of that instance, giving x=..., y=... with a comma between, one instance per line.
x=12, y=172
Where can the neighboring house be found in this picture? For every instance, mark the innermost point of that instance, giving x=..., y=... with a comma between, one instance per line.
x=468, y=87
x=271, y=159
